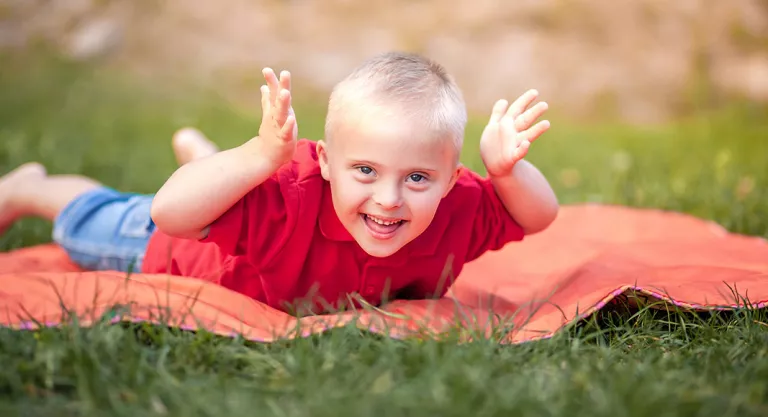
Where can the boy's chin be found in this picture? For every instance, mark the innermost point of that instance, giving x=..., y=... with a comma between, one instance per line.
x=380, y=249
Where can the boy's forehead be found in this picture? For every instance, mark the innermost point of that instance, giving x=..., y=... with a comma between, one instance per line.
x=387, y=123
x=393, y=143
x=378, y=131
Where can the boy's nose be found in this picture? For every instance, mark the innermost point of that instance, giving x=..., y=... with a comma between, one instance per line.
x=387, y=197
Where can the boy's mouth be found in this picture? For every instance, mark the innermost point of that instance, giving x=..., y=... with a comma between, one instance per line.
x=381, y=227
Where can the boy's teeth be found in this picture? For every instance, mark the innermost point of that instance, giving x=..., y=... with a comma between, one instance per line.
x=382, y=222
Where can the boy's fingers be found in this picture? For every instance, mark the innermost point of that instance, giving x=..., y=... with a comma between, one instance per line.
x=498, y=111
x=514, y=151
x=285, y=80
x=525, y=120
x=265, y=106
x=522, y=150
x=283, y=107
x=272, y=83
x=286, y=133
x=537, y=130
x=270, y=77
x=522, y=102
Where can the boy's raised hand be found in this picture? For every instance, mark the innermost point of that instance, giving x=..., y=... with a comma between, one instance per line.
x=509, y=133
x=278, y=132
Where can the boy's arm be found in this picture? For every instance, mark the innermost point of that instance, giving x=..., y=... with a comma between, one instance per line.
x=527, y=196
x=524, y=191
x=200, y=191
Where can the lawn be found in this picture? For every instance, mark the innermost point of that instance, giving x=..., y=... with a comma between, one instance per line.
x=620, y=363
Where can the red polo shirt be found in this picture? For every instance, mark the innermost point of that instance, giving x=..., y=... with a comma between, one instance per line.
x=283, y=243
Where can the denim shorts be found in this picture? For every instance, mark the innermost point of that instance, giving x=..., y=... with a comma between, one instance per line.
x=105, y=230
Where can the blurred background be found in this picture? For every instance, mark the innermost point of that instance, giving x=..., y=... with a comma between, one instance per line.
x=642, y=61
x=653, y=103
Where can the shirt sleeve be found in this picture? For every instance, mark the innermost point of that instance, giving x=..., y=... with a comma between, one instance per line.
x=259, y=224
x=493, y=226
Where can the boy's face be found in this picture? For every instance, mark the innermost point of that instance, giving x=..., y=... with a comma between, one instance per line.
x=387, y=179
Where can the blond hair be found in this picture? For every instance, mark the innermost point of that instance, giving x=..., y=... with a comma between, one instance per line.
x=416, y=87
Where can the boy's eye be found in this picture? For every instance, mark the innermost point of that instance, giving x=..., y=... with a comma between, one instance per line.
x=416, y=177
x=365, y=170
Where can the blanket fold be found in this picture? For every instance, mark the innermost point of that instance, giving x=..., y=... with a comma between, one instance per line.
x=588, y=257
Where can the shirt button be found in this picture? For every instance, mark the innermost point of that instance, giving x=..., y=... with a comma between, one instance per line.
x=369, y=290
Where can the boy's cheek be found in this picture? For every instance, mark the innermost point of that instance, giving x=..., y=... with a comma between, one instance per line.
x=349, y=194
x=424, y=209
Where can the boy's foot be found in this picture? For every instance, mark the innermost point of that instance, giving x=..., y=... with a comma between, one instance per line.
x=190, y=144
x=17, y=179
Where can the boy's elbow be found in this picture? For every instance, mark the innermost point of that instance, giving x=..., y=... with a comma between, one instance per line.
x=172, y=223
x=159, y=214
x=167, y=220
x=545, y=218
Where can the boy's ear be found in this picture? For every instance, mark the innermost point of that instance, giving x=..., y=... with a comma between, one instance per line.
x=454, y=178
x=322, y=158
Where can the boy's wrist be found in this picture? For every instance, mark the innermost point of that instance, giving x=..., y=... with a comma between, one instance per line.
x=256, y=153
x=504, y=176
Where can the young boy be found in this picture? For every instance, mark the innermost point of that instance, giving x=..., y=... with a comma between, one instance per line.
x=380, y=207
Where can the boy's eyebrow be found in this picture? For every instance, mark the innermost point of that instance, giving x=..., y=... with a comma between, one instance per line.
x=374, y=164
x=362, y=161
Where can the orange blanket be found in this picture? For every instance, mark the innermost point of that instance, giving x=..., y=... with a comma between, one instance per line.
x=591, y=254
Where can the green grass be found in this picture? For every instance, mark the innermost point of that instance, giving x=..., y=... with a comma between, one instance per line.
x=619, y=363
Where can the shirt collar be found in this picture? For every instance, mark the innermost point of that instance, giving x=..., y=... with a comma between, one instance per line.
x=330, y=225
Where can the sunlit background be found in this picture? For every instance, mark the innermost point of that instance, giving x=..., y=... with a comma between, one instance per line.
x=653, y=103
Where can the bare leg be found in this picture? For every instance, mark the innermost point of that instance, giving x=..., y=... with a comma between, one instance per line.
x=190, y=144
x=29, y=191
